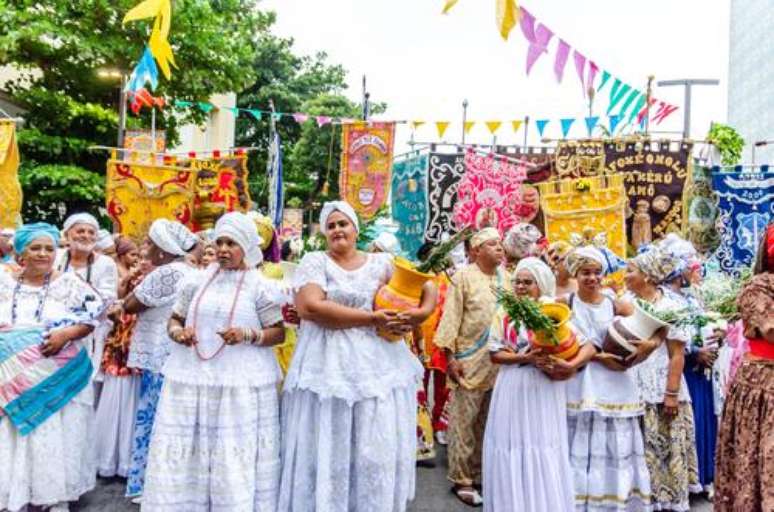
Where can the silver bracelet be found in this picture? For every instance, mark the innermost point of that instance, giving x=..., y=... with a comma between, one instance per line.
x=257, y=337
x=672, y=393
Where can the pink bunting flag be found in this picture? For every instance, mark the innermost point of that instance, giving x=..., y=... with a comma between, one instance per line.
x=593, y=70
x=322, y=120
x=300, y=118
x=538, y=38
x=562, y=52
x=644, y=111
x=580, y=65
x=664, y=111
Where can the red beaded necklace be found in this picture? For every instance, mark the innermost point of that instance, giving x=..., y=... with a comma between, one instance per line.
x=230, y=314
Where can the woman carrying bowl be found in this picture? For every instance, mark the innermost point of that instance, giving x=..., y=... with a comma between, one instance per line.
x=526, y=455
x=607, y=451
x=670, y=451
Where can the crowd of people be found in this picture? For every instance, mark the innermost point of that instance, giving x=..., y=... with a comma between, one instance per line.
x=223, y=379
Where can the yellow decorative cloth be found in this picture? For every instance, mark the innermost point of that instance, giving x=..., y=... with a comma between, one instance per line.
x=10, y=189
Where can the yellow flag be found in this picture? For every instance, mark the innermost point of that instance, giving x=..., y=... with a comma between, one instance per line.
x=416, y=124
x=441, y=126
x=507, y=16
x=493, y=126
x=161, y=49
x=469, y=126
x=449, y=4
x=517, y=124
x=158, y=43
x=145, y=9
x=10, y=189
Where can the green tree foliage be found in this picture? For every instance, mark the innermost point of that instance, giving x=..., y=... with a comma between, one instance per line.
x=60, y=45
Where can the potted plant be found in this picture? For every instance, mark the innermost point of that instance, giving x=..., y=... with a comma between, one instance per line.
x=728, y=143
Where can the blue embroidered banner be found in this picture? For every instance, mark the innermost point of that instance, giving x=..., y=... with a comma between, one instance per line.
x=745, y=207
x=409, y=197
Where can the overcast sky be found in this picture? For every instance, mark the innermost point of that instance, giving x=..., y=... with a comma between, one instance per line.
x=423, y=64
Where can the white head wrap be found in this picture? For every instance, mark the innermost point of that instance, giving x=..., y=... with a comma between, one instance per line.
x=543, y=276
x=578, y=257
x=104, y=240
x=387, y=242
x=522, y=240
x=484, y=236
x=337, y=206
x=171, y=237
x=9, y=232
x=80, y=218
x=241, y=229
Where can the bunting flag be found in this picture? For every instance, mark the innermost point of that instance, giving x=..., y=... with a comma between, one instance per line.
x=637, y=108
x=409, y=202
x=560, y=61
x=441, y=126
x=322, y=120
x=593, y=70
x=541, y=125
x=634, y=94
x=664, y=110
x=507, y=13
x=417, y=124
x=614, y=120
x=538, y=37
x=158, y=43
x=300, y=118
x=603, y=81
x=591, y=123
x=617, y=92
x=206, y=107
x=257, y=114
x=468, y=126
x=516, y=123
x=448, y=5
x=580, y=67
x=143, y=98
x=566, y=124
x=366, y=165
x=493, y=126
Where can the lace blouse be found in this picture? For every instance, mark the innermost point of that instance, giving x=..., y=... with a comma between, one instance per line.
x=236, y=365
x=158, y=291
x=351, y=364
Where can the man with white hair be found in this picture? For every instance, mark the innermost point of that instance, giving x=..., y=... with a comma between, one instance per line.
x=462, y=333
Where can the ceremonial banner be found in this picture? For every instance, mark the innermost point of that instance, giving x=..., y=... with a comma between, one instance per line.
x=543, y=158
x=140, y=142
x=292, y=223
x=443, y=177
x=220, y=185
x=366, y=161
x=579, y=158
x=489, y=194
x=746, y=206
x=10, y=189
x=702, y=209
x=409, y=202
x=137, y=194
x=585, y=208
x=655, y=177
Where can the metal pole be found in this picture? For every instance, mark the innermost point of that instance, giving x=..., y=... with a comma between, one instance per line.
x=526, y=130
x=122, y=111
x=366, y=96
x=464, y=118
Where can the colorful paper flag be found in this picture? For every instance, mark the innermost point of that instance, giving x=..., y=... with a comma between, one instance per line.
x=441, y=126
x=493, y=126
x=562, y=52
x=538, y=37
x=300, y=118
x=566, y=124
x=613, y=123
x=416, y=124
x=516, y=123
x=322, y=121
x=507, y=13
x=541, y=125
x=257, y=114
x=468, y=126
x=591, y=123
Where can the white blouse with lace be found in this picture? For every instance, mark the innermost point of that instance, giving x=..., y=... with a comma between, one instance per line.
x=208, y=309
x=159, y=291
x=351, y=364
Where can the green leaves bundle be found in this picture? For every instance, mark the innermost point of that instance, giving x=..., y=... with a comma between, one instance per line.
x=438, y=259
x=525, y=311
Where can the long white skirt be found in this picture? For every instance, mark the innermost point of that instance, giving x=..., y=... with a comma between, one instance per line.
x=341, y=457
x=526, y=465
x=115, y=424
x=54, y=463
x=214, y=448
x=608, y=459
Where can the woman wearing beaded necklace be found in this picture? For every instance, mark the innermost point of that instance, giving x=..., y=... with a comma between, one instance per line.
x=54, y=463
x=215, y=441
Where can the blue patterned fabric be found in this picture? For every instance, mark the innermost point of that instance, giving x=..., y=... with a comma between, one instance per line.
x=745, y=207
x=409, y=208
x=150, y=391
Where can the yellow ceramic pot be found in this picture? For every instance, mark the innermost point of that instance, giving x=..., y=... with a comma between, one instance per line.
x=404, y=291
x=567, y=346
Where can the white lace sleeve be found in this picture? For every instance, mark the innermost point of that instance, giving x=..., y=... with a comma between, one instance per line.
x=387, y=266
x=187, y=291
x=269, y=312
x=311, y=270
x=159, y=288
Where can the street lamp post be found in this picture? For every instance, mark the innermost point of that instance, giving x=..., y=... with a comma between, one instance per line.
x=121, y=76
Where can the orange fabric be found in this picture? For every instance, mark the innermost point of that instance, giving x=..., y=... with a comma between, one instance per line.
x=436, y=359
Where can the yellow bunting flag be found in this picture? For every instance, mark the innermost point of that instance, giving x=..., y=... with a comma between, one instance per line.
x=493, y=126
x=517, y=124
x=441, y=126
x=158, y=43
x=449, y=4
x=416, y=124
x=507, y=16
x=469, y=126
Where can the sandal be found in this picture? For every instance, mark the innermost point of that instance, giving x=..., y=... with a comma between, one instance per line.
x=468, y=495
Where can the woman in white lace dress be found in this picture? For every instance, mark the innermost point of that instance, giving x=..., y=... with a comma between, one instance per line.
x=670, y=449
x=54, y=463
x=215, y=443
x=152, y=301
x=349, y=404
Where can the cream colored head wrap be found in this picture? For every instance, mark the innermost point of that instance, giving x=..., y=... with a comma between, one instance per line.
x=80, y=218
x=337, y=206
x=240, y=228
x=543, y=275
x=484, y=236
x=171, y=237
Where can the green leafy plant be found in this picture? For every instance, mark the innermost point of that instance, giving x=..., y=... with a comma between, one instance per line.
x=525, y=311
x=438, y=258
x=728, y=141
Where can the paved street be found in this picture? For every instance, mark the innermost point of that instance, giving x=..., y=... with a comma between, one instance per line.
x=432, y=495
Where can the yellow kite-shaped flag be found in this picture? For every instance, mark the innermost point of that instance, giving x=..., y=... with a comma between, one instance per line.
x=506, y=11
x=158, y=44
x=449, y=4
x=493, y=126
x=441, y=126
x=469, y=126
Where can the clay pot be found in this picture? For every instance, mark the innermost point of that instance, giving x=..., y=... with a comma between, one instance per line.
x=625, y=333
x=404, y=291
x=567, y=346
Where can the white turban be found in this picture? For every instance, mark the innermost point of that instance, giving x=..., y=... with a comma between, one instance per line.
x=387, y=242
x=8, y=232
x=543, y=276
x=172, y=237
x=80, y=218
x=582, y=255
x=484, y=236
x=522, y=240
x=104, y=240
x=241, y=229
x=337, y=206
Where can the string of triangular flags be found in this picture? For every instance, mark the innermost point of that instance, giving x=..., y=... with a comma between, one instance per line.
x=634, y=103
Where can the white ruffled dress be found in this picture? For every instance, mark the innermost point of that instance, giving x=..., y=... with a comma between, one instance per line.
x=349, y=404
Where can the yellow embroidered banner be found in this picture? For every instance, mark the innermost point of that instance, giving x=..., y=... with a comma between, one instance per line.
x=366, y=165
x=584, y=208
x=10, y=189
